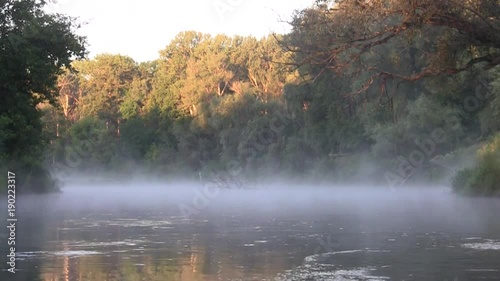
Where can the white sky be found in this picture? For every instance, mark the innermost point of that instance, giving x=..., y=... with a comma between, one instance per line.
x=141, y=28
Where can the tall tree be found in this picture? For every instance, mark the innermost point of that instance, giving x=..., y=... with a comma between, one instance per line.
x=459, y=35
x=105, y=81
x=34, y=46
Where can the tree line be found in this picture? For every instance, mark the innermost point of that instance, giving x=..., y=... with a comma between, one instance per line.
x=385, y=91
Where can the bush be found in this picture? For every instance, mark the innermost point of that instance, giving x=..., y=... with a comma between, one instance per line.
x=425, y=120
x=484, y=179
x=460, y=181
x=31, y=177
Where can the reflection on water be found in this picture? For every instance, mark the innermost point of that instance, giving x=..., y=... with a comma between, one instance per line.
x=154, y=249
x=122, y=234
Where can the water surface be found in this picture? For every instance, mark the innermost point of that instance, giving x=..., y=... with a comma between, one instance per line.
x=166, y=232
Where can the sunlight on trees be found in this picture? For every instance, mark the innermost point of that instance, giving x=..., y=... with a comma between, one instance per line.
x=355, y=83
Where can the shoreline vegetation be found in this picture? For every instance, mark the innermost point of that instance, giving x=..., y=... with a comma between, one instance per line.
x=358, y=91
x=483, y=179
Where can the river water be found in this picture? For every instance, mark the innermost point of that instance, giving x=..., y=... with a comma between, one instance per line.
x=184, y=232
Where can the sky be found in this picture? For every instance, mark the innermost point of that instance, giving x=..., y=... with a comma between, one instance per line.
x=141, y=28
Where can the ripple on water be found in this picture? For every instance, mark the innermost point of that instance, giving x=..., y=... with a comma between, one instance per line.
x=76, y=253
x=310, y=273
x=58, y=253
x=125, y=223
x=139, y=223
x=487, y=245
x=27, y=255
x=313, y=269
x=127, y=242
x=319, y=257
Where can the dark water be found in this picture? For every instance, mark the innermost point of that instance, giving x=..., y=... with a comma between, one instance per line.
x=140, y=232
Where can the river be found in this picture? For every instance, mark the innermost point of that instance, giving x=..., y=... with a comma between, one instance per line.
x=138, y=231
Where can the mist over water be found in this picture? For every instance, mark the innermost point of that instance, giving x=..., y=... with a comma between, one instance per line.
x=387, y=92
x=185, y=231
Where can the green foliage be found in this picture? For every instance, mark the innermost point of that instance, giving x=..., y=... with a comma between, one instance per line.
x=461, y=180
x=91, y=143
x=34, y=46
x=490, y=116
x=105, y=81
x=484, y=178
x=426, y=120
x=320, y=102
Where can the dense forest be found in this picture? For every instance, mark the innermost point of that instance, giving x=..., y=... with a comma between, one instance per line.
x=389, y=92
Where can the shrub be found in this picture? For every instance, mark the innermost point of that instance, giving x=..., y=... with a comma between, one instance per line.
x=460, y=181
x=484, y=179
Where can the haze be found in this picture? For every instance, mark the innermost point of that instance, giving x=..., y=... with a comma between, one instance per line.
x=209, y=140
